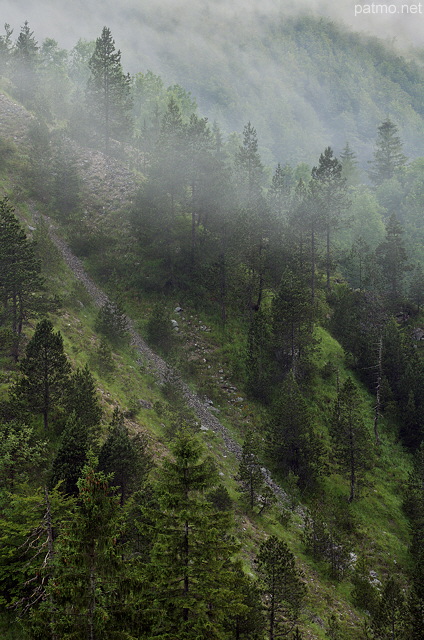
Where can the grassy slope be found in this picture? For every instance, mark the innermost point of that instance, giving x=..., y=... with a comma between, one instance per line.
x=381, y=531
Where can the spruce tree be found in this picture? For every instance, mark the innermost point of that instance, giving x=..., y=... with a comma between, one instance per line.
x=193, y=589
x=81, y=398
x=24, y=64
x=329, y=192
x=89, y=593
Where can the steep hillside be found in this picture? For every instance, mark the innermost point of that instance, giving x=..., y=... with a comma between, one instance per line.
x=206, y=388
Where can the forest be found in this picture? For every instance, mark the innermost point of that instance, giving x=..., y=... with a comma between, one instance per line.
x=157, y=268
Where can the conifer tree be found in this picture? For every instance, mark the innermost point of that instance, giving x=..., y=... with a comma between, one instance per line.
x=88, y=589
x=249, y=473
x=44, y=371
x=329, y=192
x=25, y=60
x=393, y=259
x=351, y=440
x=21, y=284
x=71, y=456
x=293, y=446
x=81, y=398
x=109, y=90
x=389, y=159
x=282, y=586
x=125, y=458
x=193, y=587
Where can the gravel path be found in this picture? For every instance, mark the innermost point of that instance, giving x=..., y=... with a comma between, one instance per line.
x=157, y=365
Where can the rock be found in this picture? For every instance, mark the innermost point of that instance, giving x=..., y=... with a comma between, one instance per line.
x=178, y=310
x=174, y=323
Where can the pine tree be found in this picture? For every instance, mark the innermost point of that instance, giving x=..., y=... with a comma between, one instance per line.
x=389, y=159
x=282, y=586
x=351, y=440
x=21, y=453
x=293, y=446
x=292, y=321
x=21, y=284
x=109, y=90
x=390, y=615
x=44, y=371
x=112, y=322
x=349, y=164
x=329, y=192
x=249, y=473
x=392, y=257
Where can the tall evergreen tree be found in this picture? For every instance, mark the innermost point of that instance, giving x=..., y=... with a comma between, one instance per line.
x=89, y=592
x=71, y=456
x=329, y=192
x=389, y=159
x=25, y=60
x=81, y=398
x=282, y=586
x=293, y=445
x=109, y=91
x=193, y=585
x=393, y=260
x=351, y=440
x=21, y=284
x=249, y=473
x=125, y=458
x=44, y=371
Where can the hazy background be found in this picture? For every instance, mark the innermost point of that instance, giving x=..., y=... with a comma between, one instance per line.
x=135, y=23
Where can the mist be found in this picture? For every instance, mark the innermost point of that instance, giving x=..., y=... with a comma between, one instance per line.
x=143, y=30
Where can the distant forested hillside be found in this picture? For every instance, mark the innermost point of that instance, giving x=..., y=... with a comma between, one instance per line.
x=305, y=82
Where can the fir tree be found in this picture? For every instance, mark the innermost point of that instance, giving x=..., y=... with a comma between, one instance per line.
x=193, y=588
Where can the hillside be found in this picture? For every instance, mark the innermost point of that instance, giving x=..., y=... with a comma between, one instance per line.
x=230, y=414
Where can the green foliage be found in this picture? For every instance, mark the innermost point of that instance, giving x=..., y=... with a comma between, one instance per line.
x=195, y=589
x=21, y=453
x=71, y=456
x=21, y=285
x=44, y=371
x=282, y=586
x=249, y=475
x=112, y=323
x=352, y=447
x=159, y=331
x=389, y=159
x=125, y=458
x=109, y=91
x=82, y=400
